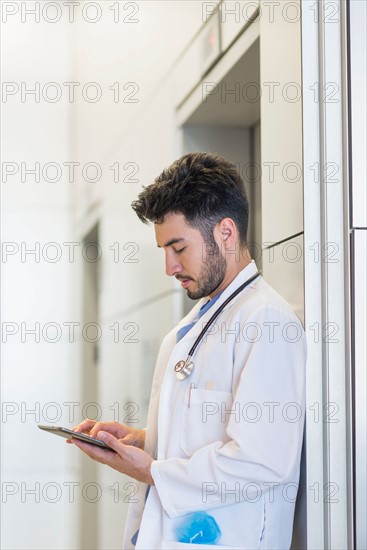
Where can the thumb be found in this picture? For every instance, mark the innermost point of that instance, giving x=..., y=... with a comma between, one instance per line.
x=110, y=440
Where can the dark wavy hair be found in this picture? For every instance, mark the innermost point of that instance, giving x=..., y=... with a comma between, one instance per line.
x=204, y=187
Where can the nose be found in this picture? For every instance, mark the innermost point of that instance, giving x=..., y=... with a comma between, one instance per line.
x=172, y=265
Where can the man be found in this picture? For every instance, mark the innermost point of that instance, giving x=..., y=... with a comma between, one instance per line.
x=225, y=436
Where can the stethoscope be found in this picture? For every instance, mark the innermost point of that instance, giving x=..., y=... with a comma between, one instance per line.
x=183, y=369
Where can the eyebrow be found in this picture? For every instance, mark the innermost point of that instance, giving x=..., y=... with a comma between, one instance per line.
x=171, y=242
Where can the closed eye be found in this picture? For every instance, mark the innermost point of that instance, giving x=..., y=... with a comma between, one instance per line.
x=181, y=250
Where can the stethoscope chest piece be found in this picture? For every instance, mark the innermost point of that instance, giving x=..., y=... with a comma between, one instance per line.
x=183, y=369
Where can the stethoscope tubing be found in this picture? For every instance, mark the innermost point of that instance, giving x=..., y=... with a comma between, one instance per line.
x=218, y=312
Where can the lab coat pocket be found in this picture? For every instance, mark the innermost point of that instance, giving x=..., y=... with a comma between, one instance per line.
x=205, y=418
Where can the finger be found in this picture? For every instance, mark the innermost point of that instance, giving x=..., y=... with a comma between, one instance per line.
x=110, y=427
x=84, y=426
x=96, y=453
x=111, y=441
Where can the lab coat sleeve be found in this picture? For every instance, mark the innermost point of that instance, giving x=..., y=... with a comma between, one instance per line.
x=264, y=443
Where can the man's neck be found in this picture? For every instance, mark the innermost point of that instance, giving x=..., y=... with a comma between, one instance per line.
x=233, y=270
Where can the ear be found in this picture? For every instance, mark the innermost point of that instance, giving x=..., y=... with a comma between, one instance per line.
x=227, y=233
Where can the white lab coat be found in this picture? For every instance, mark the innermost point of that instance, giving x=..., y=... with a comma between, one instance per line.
x=234, y=450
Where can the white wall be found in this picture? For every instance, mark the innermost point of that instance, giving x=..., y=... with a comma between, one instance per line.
x=36, y=375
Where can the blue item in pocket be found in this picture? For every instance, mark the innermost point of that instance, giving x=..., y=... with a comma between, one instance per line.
x=199, y=528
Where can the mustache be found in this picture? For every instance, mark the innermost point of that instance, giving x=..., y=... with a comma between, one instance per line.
x=183, y=278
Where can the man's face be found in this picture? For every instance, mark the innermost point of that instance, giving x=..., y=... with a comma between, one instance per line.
x=199, y=266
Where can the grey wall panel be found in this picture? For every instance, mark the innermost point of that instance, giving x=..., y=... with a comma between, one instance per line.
x=359, y=277
x=358, y=98
x=281, y=123
x=283, y=270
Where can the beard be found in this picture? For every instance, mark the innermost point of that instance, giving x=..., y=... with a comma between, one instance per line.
x=211, y=275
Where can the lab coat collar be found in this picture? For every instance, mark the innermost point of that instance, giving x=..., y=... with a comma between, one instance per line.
x=241, y=278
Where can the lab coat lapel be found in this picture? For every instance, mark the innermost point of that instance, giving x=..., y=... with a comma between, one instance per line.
x=194, y=332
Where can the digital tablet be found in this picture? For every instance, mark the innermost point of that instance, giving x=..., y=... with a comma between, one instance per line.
x=70, y=434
